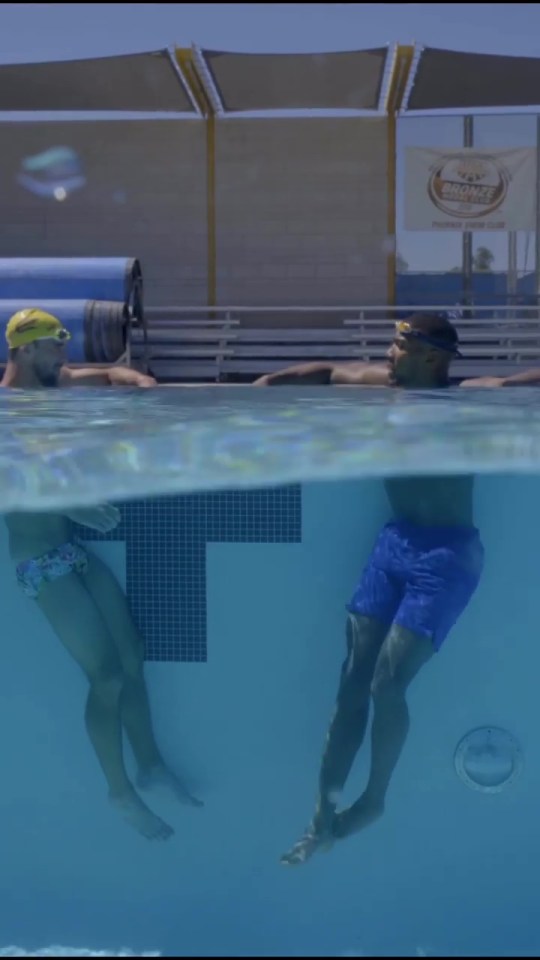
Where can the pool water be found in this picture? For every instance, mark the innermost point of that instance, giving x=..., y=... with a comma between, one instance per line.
x=247, y=518
x=58, y=447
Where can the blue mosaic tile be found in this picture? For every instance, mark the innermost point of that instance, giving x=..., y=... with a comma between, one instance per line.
x=166, y=541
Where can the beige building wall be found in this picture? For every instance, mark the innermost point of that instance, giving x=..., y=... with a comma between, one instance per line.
x=145, y=196
x=301, y=205
x=302, y=211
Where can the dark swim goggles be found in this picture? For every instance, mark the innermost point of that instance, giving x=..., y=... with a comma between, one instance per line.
x=61, y=335
x=404, y=328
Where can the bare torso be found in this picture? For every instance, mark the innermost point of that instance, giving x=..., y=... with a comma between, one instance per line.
x=33, y=534
x=428, y=501
x=432, y=501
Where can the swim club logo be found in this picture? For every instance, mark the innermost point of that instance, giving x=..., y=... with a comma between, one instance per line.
x=468, y=186
x=469, y=189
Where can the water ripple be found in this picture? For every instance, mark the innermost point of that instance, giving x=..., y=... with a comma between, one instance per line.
x=82, y=446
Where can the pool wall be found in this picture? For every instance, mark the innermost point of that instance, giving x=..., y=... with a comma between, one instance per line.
x=447, y=870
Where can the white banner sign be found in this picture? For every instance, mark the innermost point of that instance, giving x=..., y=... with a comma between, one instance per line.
x=470, y=189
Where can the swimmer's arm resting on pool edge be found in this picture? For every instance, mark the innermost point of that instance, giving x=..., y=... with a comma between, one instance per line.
x=371, y=375
x=317, y=374
x=104, y=377
x=529, y=378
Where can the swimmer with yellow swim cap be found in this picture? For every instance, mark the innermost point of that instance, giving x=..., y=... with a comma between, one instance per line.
x=81, y=599
x=37, y=344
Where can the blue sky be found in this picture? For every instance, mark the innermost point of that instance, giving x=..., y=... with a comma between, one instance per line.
x=41, y=31
x=32, y=31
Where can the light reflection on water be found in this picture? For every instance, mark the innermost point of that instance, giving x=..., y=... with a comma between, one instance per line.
x=61, y=447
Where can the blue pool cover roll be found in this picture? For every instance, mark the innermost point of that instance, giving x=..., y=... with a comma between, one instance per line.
x=98, y=329
x=73, y=278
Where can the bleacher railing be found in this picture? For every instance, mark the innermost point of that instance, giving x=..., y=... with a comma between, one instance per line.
x=203, y=343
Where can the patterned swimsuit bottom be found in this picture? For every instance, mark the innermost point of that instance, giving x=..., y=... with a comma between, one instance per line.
x=67, y=558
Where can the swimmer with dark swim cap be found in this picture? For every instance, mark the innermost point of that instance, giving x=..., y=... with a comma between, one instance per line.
x=37, y=357
x=423, y=571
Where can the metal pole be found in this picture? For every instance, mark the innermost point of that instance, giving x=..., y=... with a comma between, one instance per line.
x=512, y=275
x=537, y=225
x=467, y=238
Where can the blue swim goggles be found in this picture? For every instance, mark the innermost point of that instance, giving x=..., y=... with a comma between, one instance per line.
x=404, y=328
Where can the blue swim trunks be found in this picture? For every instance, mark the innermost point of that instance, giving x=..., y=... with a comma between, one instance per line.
x=421, y=578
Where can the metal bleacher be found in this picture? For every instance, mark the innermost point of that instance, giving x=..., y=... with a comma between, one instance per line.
x=238, y=344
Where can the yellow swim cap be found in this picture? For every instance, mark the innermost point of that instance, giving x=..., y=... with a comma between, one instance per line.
x=33, y=324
